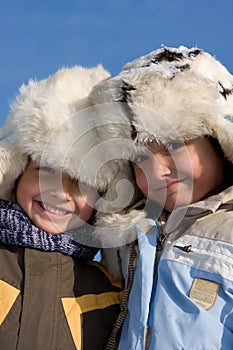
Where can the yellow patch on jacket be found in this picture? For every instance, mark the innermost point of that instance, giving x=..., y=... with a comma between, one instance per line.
x=75, y=307
x=8, y=295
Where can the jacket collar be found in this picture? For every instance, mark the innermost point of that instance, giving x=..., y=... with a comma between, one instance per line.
x=191, y=212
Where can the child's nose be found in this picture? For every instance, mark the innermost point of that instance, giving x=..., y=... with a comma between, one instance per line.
x=161, y=167
x=61, y=189
x=68, y=187
x=60, y=194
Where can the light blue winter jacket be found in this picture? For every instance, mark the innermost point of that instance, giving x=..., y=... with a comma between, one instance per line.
x=187, y=301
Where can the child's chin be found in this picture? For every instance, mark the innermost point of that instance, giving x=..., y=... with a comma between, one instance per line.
x=53, y=227
x=50, y=228
x=53, y=230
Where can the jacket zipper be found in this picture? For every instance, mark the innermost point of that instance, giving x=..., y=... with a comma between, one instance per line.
x=201, y=254
x=159, y=248
x=160, y=244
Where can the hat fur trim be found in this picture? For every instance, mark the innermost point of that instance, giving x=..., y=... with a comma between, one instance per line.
x=50, y=122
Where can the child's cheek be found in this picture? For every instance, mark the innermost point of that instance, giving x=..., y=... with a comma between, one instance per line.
x=141, y=181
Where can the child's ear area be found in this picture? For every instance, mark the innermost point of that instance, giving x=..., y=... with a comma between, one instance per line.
x=12, y=164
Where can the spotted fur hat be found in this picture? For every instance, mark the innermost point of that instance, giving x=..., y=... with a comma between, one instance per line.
x=175, y=93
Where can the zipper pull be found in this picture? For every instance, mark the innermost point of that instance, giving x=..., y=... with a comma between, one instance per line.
x=186, y=248
x=160, y=242
x=162, y=236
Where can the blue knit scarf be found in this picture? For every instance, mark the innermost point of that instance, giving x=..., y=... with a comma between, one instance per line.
x=17, y=229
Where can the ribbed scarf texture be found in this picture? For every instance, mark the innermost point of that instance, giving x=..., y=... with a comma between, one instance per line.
x=17, y=229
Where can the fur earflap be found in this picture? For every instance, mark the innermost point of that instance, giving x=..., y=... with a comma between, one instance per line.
x=117, y=212
x=50, y=122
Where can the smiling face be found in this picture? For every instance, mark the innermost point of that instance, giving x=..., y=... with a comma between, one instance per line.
x=54, y=201
x=178, y=174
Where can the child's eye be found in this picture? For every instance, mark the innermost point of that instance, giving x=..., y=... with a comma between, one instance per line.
x=172, y=146
x=140, y=158
x=46, y=169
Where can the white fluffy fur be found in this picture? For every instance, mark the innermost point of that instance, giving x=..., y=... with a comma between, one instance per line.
x=187, y=106
x=51, y=122
x=168, y=101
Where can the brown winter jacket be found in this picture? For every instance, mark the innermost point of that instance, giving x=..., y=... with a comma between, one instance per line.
x=48, y=301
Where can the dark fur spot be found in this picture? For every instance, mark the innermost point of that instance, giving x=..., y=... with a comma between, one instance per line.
x=181, y=69
x=169, y=56
x=126, y=88
x=225, y=92
x=134, y=133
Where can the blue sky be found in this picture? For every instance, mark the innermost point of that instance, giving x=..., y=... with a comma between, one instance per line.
x=39, y=37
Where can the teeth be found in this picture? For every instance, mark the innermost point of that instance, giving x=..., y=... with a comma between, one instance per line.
x=53, y=210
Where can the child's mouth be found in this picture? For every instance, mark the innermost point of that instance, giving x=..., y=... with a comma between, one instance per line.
x=53, y=209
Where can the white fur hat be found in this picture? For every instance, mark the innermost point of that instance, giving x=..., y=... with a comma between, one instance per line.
x=176, y=93
x=169, y=94
x=50, y=122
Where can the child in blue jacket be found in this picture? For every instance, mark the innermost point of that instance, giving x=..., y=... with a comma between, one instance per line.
x=179, y=104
